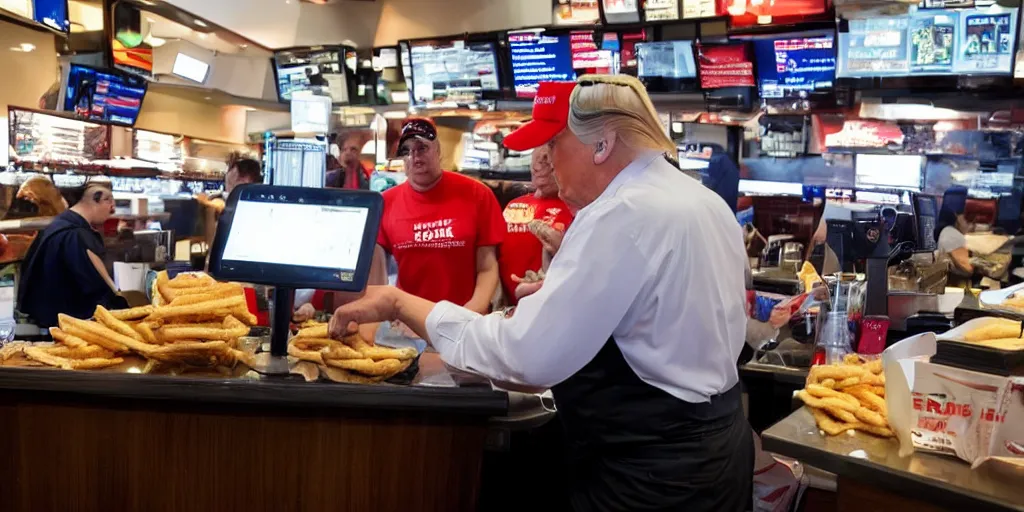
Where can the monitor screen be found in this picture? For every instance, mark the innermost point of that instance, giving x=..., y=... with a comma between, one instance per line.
x=103, y=95
x=888, y=171
x=794, y=67
x=52, y=13
x=190, y=68
x=319, y=71
x=930, y=42
x=538, y=57
x=301, y=237
x=304, y=227
x=454, y=70
x=667, y=59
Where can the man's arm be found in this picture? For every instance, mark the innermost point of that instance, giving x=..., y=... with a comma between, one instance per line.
x=486, y=279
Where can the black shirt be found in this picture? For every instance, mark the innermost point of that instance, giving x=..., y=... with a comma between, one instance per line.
x=59, y=277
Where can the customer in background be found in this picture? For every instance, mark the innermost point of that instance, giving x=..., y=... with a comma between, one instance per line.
x=241, y=171
x=443, y=228
x=64, y=270
x=523, y=251
x=950, y=229
x=351, y=174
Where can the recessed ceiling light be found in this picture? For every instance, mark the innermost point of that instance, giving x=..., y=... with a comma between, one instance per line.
x=23, y=47
x=150, y=20
x=243, y=46
x=202, y=35
x=201, y=23
x=148, y=2
x=208, y=98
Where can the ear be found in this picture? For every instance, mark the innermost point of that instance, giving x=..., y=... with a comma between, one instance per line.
x=603, y=149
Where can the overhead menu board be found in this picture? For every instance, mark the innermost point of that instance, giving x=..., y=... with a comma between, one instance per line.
x=725, y=66
x=52, y=13
x=621, y=11
x=317, y=70
x=795, y=67
x=665, y=65
x=575, y=12
x=453, y=70
x=538, y=57
x=661, y=10
x=930, y=42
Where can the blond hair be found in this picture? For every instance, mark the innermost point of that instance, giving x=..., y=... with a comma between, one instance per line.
x=617, y=104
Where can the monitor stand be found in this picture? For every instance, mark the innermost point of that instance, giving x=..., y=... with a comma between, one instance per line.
x=280, y=327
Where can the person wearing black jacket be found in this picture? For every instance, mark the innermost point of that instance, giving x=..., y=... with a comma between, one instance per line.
x=64, y=270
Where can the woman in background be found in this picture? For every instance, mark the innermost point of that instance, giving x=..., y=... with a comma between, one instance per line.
x=950, y=229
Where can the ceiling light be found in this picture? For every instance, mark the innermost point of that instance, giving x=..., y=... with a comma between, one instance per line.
x=208, y=98
x=150, y=20
x=23, y=47
x=155, y=42
x=201, y=23
x=202, y=35
x=147, y=2
x=243, y=46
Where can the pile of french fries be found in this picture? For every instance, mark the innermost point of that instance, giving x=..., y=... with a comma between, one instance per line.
x=197, y=324
x=848, y=396
x=352, y=359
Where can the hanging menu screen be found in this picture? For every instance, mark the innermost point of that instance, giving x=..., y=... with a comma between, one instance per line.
x=930, y=42
x=536, y=58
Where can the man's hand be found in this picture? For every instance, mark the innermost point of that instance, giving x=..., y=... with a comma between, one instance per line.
x=526, y=287
x=378, y=304
x=305, y=312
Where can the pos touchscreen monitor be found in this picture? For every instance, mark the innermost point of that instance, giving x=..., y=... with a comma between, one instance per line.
x=295, y=237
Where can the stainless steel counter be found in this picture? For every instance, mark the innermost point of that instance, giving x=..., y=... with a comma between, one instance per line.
x=946, y=482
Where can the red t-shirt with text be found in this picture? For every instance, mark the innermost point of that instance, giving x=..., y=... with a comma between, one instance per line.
x=434, y=235
x=522, y=250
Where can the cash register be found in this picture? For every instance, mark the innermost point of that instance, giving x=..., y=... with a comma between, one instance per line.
x=294, y=237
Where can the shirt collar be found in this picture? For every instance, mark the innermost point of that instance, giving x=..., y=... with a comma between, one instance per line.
x=75, y=218
x=638, y=165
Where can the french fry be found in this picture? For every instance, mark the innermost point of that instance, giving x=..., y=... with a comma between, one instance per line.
x=144, y=330
x=132, y=314
x=243, y=314
x=369, y=366
x=160, y=284
x=317, y=343
x=379, y=353
x=836, y=372
x=875, y=430
x=190, y=281
x=316, y=331
x=841, y=415
x=869, y=399
x=821, y=403
x=199, y=309
x=313, y=356
x=229, y=330
x=878, y=390
x=870, y=417
x=874, y=367
x=830, y=426
x=997, y=328
x=851, y=359
x=820, y=391
x=829, y=383
x=104, y=317
x=847, y=382
x=94, y=333
x=42, y=356
x=342, y=351
x=67, y=339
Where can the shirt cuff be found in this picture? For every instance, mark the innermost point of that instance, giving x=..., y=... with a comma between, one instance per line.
x=446, y=324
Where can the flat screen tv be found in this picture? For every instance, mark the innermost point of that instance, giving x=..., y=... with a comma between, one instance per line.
x=667, y=66
x=795, y=67
x=930, y=42
x=102, y=95
x=318, y=70
x=539, y=57
x=454, y=70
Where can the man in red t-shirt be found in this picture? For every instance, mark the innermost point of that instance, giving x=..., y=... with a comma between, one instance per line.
x=522, y=250
x=442, y=227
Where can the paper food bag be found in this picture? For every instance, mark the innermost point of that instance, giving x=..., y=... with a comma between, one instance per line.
x=898, y=364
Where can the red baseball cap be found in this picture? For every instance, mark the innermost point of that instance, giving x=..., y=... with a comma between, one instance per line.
x=550, y=116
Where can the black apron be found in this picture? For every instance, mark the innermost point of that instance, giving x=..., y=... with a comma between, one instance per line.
x=633, y=447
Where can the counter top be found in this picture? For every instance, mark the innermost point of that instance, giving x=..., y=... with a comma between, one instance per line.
x=946, y=481
x=435, y=389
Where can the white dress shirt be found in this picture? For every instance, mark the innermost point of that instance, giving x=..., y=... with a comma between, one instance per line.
x=656, y=261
